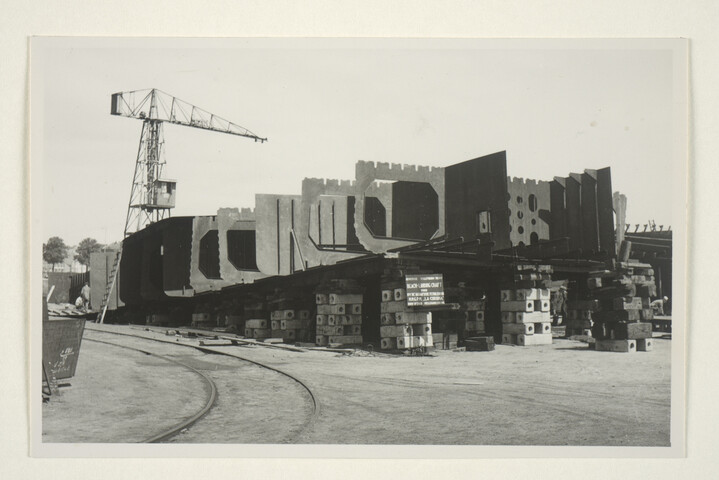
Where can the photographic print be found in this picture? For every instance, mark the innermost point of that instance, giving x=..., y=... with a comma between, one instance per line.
x=325, y=247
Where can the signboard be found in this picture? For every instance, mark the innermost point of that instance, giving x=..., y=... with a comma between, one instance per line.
x=425, y=289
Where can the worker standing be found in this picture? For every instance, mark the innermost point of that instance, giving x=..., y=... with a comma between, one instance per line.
x=85, y=294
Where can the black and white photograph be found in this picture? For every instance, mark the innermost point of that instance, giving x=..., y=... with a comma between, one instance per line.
x=358, y=247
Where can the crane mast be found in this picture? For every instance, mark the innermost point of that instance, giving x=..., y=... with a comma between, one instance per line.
x=152, y=196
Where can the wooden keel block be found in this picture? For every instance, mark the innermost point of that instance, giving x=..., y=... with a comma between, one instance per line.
x=509, y=339
x=413, y=317
x=536, y=339
x=422, y=329
x=256, y=323
x=645, y=344
x=629, y=331
x=393, y=307
x=387, y=319
x=517, y=328
x=517, y=306
x=276, y=324
x=627, y=303
x=337, y=298
x=346, y=339
x=543, y=328
x=395, y=331
x=438, y=341
x=355, y=309
x=646, y=314
x=388, y=343
x=322, y=298
x=617, y=316
x=541, y=305
x=479, y=344
x=628, y=346
x=321, y=319
x=321, y=340
x=399, y=294
x=414, y=341
x=387, y=295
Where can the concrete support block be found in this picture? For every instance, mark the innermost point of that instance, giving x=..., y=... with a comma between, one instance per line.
x=353, y=329
x=517, y=328
x=288, y=314
x=354, y=309
x=321, y=340
x=321, y=299
x=352, y=320
x=475, y=305
x=261, y=333
x=388, y=343
x=535, y=339
x=276, y=324
x=400, y=294
x=321, y=319
x=509, y=339
x=541, y=305
x=627, y=303
x=256, y=323
x=324, y=309
x=543, y=328
x=422, y=329
x=474, y=326
x=645, y=344
x=387, y=319
x=387, y=295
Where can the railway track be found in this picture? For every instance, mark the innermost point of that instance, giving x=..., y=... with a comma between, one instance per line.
x=171, y=434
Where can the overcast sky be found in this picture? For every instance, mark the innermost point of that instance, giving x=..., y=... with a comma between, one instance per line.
x=555, y=107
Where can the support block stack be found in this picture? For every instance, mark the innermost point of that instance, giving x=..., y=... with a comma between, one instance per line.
x=289, y=321
x=581, y=315
x=474, y=316
x=257, y=322
x=339, y=313
x=525, y=308
x=402, y=328
x=623, y=321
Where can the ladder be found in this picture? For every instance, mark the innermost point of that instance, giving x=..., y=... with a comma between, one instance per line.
x=109, y=287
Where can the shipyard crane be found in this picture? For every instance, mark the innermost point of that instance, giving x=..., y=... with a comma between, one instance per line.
x=151, y=195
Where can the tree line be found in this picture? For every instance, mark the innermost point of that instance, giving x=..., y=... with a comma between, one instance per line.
x=55, y=251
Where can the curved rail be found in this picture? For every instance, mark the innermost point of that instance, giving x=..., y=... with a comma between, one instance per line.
x=187, y=422
x=313, y=397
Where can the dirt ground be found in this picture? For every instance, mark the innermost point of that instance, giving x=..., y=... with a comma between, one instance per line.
x=560, y=394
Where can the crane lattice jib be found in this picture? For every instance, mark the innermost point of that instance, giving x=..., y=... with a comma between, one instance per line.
x=154, y=104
